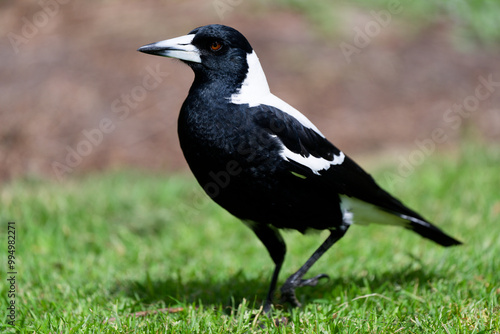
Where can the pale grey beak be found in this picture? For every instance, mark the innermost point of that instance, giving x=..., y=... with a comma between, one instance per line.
x=179, y=47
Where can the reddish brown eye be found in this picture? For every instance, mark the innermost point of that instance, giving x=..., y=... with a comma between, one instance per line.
x=215, y=46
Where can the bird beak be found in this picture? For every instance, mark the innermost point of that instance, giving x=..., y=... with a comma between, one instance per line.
x=179, y=47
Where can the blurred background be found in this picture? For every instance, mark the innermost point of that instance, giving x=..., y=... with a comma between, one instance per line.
x=395, y=79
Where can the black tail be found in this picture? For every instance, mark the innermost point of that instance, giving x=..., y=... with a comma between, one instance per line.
x=429, y=231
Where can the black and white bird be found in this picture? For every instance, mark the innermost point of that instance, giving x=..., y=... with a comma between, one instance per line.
x=265, y=162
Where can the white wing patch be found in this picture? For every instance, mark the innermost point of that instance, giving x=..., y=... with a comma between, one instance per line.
x=356, y=211
x=255, y=91
x=274, y=101
x=313, y=163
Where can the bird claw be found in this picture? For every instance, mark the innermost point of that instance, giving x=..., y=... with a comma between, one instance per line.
x=312, y=281
x=288, y=296
x=288, y=289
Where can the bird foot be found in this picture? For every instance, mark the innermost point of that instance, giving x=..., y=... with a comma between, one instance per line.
x=288, y=289
x=267, y=307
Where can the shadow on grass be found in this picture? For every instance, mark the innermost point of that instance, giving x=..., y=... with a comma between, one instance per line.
x=232, y=291
x=208, y=292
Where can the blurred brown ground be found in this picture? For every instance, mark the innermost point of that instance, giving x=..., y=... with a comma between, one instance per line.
x=78, y=64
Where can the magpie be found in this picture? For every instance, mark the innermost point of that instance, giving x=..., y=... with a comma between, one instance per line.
x=265, y=162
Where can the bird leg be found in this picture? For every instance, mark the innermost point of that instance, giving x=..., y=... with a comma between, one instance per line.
x=269, y=299
x=295, y=280
x=275, y=245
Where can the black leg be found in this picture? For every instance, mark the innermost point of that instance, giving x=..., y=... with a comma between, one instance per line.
x=276, y=247
x=295, y=280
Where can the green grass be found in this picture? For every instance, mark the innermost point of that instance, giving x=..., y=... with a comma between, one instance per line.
x=107, y=246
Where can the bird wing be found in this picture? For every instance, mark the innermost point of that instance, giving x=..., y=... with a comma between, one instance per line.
x=307, y=154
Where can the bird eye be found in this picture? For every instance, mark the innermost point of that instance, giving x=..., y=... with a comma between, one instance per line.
x=215, y=46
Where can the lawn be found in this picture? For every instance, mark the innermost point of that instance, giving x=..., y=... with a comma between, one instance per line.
x=102, y=253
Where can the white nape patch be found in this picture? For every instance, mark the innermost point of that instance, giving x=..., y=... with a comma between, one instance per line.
x=255, y=91
x=180, y=48
x=255, y=85
x=356, y=211
x=313, y=163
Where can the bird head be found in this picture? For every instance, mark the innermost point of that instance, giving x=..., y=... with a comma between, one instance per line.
x=212, y=51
